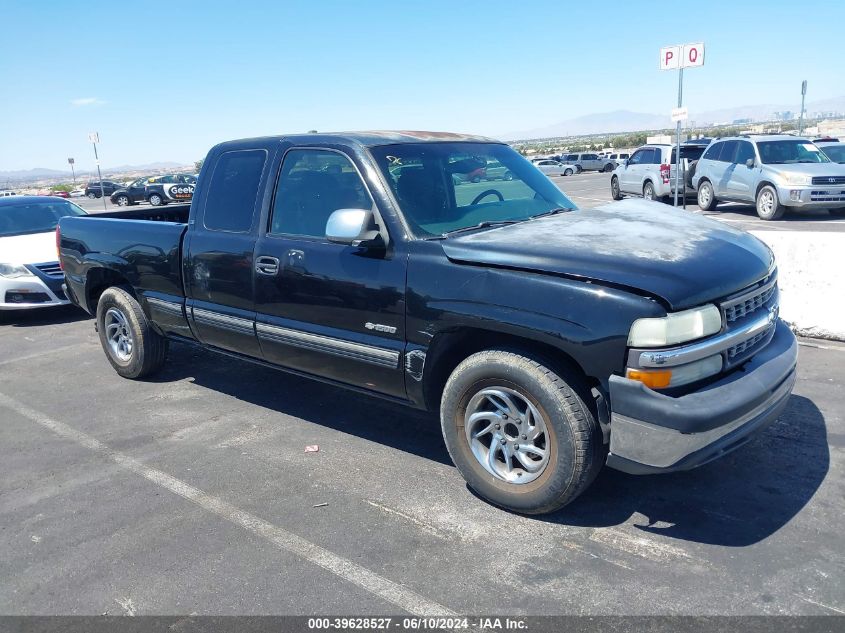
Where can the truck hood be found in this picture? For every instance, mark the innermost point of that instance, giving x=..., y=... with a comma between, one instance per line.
x=680, y=257
x=35, y=248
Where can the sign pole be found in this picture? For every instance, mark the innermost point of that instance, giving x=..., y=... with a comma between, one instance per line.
x=94, y=137
x=801, y=116
x=678, y=150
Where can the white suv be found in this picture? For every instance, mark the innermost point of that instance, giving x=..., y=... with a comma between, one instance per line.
x=650, y=171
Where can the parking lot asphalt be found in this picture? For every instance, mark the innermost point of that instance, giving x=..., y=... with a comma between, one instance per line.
x=592, y=189
x=192, y=493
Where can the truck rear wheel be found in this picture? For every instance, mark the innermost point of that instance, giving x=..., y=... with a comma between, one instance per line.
x=132, y=346
x=519, y=432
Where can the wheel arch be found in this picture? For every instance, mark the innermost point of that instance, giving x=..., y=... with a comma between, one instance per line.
x=449, y=348
x=762, y=184
x=98, y=280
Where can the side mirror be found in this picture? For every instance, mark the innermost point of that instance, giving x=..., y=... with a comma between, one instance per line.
x=355, y=227
x=749, y=163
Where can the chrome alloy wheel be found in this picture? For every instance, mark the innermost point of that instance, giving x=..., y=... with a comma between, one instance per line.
x=766, y=203
x=507, y=435
x=118, y=335
x=704, y=195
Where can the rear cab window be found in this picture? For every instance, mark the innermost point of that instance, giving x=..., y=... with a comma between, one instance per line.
x=230, y=204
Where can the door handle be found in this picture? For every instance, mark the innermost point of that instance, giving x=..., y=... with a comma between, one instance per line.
x=265, y=265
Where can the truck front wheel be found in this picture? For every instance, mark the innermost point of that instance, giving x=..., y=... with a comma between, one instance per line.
x=519, y=432
x=132, y=346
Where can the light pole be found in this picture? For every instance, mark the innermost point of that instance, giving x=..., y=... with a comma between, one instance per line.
x=70, y=162
x=801, y=115
x=94, y=137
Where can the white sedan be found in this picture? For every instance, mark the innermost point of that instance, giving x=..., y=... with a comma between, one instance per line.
x=30, y=276
x=556, y=168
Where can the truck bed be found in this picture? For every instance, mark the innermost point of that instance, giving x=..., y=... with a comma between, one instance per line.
x=141, y=248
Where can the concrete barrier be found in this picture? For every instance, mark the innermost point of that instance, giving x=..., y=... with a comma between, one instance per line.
x=811, y=276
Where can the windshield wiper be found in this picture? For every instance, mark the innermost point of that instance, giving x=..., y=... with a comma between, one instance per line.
x=554, y=211
x=481, y=225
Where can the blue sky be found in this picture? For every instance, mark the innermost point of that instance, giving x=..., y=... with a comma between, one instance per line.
x=166, y=80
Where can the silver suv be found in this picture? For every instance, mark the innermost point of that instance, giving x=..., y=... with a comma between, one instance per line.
x=775, y=172
x=650, y=171
x=589, y=162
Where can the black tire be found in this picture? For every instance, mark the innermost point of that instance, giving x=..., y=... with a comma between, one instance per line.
x=92, y=196
x=648, y=191
x=608, y=168
x=578, y=169
x=155, y=199
x=615, y=191
x=573, y=439
x=149, y=348
x=123, y=200
x=508, y=175
x=767, y=203
x=706, y=197
x=567, y=172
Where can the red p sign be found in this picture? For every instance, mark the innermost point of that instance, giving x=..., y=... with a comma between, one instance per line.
x=670, y=57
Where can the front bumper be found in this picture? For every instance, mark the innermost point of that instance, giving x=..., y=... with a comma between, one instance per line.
x=812, y=196
x=14, y=293
x=651, y=432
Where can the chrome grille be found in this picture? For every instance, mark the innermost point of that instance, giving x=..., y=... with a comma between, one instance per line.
x=748, y=344
x=829, y=180
x=51, y=269
x=749, y=304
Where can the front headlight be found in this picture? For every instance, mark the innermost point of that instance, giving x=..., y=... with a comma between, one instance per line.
x=13, y=271
x=795, y=179
x=677, y=327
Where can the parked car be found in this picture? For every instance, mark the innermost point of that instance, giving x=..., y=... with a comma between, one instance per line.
x=30, y=276
x=833, y=149
x=774, y=172
x=497, y=171
x=170, y=188
x=60, y=194
x=556, y=168
x=93, y=189
x=5, y=193
x=619, y=157
x=77, y=193
x=538, y=333
x=133, y=193
x=650, y=172
x=589, y=162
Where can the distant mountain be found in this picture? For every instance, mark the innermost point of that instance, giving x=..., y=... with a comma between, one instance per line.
x=41, y=173
x=627, y=121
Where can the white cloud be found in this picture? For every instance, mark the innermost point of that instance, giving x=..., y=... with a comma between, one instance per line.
x=86, y=101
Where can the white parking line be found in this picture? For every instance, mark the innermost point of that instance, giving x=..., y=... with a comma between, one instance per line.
x=381, y=587
x=48, y=352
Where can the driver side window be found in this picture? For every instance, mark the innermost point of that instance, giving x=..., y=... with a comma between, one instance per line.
x=314, y=184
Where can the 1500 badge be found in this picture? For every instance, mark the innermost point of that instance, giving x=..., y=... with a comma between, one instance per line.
x=378, y=327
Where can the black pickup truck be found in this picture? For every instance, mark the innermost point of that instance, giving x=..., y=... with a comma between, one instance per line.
x=551, y=340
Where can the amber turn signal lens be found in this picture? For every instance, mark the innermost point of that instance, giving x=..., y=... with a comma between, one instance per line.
x=658, y=379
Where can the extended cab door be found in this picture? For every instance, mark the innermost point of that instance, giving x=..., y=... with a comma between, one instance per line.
x=218, y=256
x=328, y=309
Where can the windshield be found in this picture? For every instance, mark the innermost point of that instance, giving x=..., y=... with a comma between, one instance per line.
x=836, y=153
x=783, y=152
x=34, y=217
x=443, y=187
